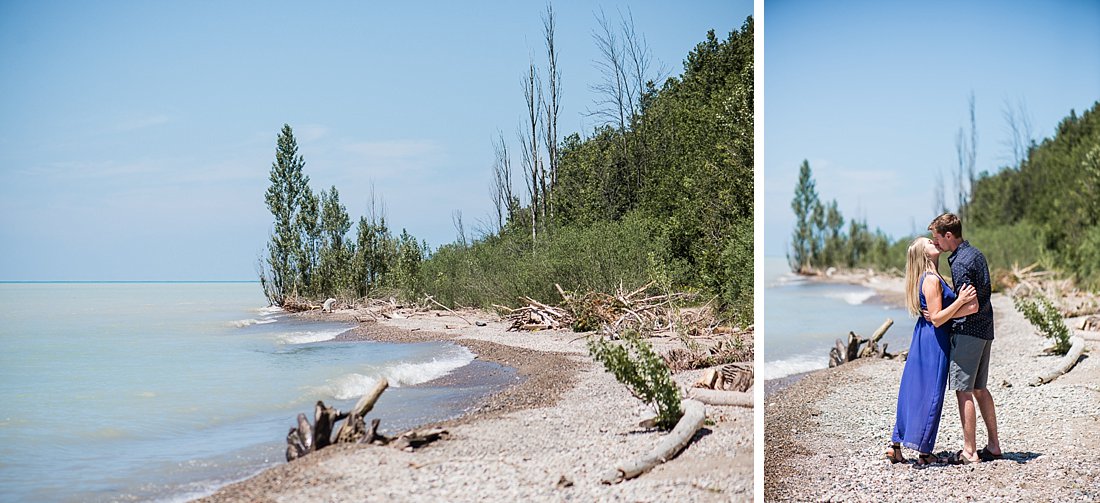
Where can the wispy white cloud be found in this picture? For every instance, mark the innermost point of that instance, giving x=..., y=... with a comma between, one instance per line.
x=137, y=122
x=385, y=158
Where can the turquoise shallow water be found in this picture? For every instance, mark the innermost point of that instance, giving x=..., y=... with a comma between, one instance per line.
x=165, y=391
x=803, y=319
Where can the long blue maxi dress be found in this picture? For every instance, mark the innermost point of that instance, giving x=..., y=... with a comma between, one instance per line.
x=920, y=397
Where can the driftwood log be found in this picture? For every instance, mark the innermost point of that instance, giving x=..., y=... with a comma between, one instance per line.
x=354, y=429
x=306, y=438
x=1064, y=364
x=412, y=439
x=843, y=353
x=669, y=446
x=1088, y=336
x=720, y=397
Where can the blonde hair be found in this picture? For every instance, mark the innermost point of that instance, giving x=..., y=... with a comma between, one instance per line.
x=917, y=263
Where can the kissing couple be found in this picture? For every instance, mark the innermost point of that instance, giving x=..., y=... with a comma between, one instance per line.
x=950, y=347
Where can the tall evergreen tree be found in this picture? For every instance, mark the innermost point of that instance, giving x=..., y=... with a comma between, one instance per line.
x=804, y=204
x=284, y=198
x=335, y=253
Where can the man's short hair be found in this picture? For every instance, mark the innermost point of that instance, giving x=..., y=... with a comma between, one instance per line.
x=948, y=222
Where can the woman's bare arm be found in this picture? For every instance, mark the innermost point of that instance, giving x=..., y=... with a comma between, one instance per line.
x=966, y=303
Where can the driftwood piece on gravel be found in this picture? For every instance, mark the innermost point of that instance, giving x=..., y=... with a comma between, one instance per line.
x=1092, y=323
x=872, y=349
x=417, y=438
x=720, y=397
x=844, y=353
x=728, y=377
x=668, y=447
x=305, y=439
x=324, y=420
x=1064, y=364
x=354, y=428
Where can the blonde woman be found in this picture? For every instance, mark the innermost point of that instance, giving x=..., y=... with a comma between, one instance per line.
x=920, y=397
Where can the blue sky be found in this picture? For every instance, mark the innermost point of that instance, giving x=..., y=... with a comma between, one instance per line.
x=136, y=137
x=873, y=94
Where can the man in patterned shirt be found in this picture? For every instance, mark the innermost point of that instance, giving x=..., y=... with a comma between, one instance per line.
x=971, y=339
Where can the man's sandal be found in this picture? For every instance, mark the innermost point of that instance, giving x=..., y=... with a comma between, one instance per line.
x=893, y=453
x=986, y=455
x=958, y=459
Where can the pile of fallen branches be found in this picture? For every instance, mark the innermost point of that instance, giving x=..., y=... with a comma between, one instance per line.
x=307, y=438
x=536, y=316
x=1027, y=281
x=729, y=350
x=638, y=309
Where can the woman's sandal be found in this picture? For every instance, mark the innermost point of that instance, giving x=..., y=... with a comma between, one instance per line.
x=927, y=459
x=893, y=453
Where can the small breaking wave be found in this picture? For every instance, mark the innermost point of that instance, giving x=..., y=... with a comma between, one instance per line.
x=269, y=310
x=398, y=374
x=853, y=298
x=795, y=365
x=309, y=336
x=252, y=321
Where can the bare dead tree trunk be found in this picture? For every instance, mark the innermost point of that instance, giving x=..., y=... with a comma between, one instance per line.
x=502, y=182
x=1019, y=129
x=625, y=63
x=966, y=149
x=532, y=94
x=940, y=192
x=552, y=108
x=460, y=229
x=615, y=102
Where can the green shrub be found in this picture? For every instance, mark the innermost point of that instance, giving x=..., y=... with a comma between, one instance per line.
x=1046, y=318
x=643, y=371
x=1008, y=245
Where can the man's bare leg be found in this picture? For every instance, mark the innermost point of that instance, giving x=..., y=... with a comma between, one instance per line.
x=969, y=419
x=989, y=415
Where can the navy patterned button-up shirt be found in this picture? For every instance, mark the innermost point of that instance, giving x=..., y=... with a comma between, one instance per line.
x=968, y=266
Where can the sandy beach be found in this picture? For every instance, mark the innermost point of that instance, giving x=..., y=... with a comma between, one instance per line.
x=826, y=433
x=550, y=437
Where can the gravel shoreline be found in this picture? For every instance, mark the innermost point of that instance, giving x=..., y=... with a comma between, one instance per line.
x=826, y=433
x=548, y=438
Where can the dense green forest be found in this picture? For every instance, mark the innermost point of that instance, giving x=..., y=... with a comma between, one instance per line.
x=661, y=191
x=1045, y=209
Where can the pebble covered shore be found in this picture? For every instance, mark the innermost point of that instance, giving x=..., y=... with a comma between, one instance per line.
x=549, y=438
x=826, y=434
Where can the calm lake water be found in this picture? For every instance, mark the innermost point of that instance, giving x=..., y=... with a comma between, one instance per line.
x=166, y=391
x=804, y=318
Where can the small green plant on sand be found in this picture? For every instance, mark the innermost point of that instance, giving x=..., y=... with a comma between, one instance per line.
x=634, y=363
x=1040, y=311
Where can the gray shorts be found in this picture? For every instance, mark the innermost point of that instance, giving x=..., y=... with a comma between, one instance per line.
x=968, y=368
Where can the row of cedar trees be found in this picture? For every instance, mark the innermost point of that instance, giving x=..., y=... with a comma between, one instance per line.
x=661, y=191
x=1042, y=208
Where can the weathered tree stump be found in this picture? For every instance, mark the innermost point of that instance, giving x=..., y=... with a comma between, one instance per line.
x=843, y=353
x=354, y=429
